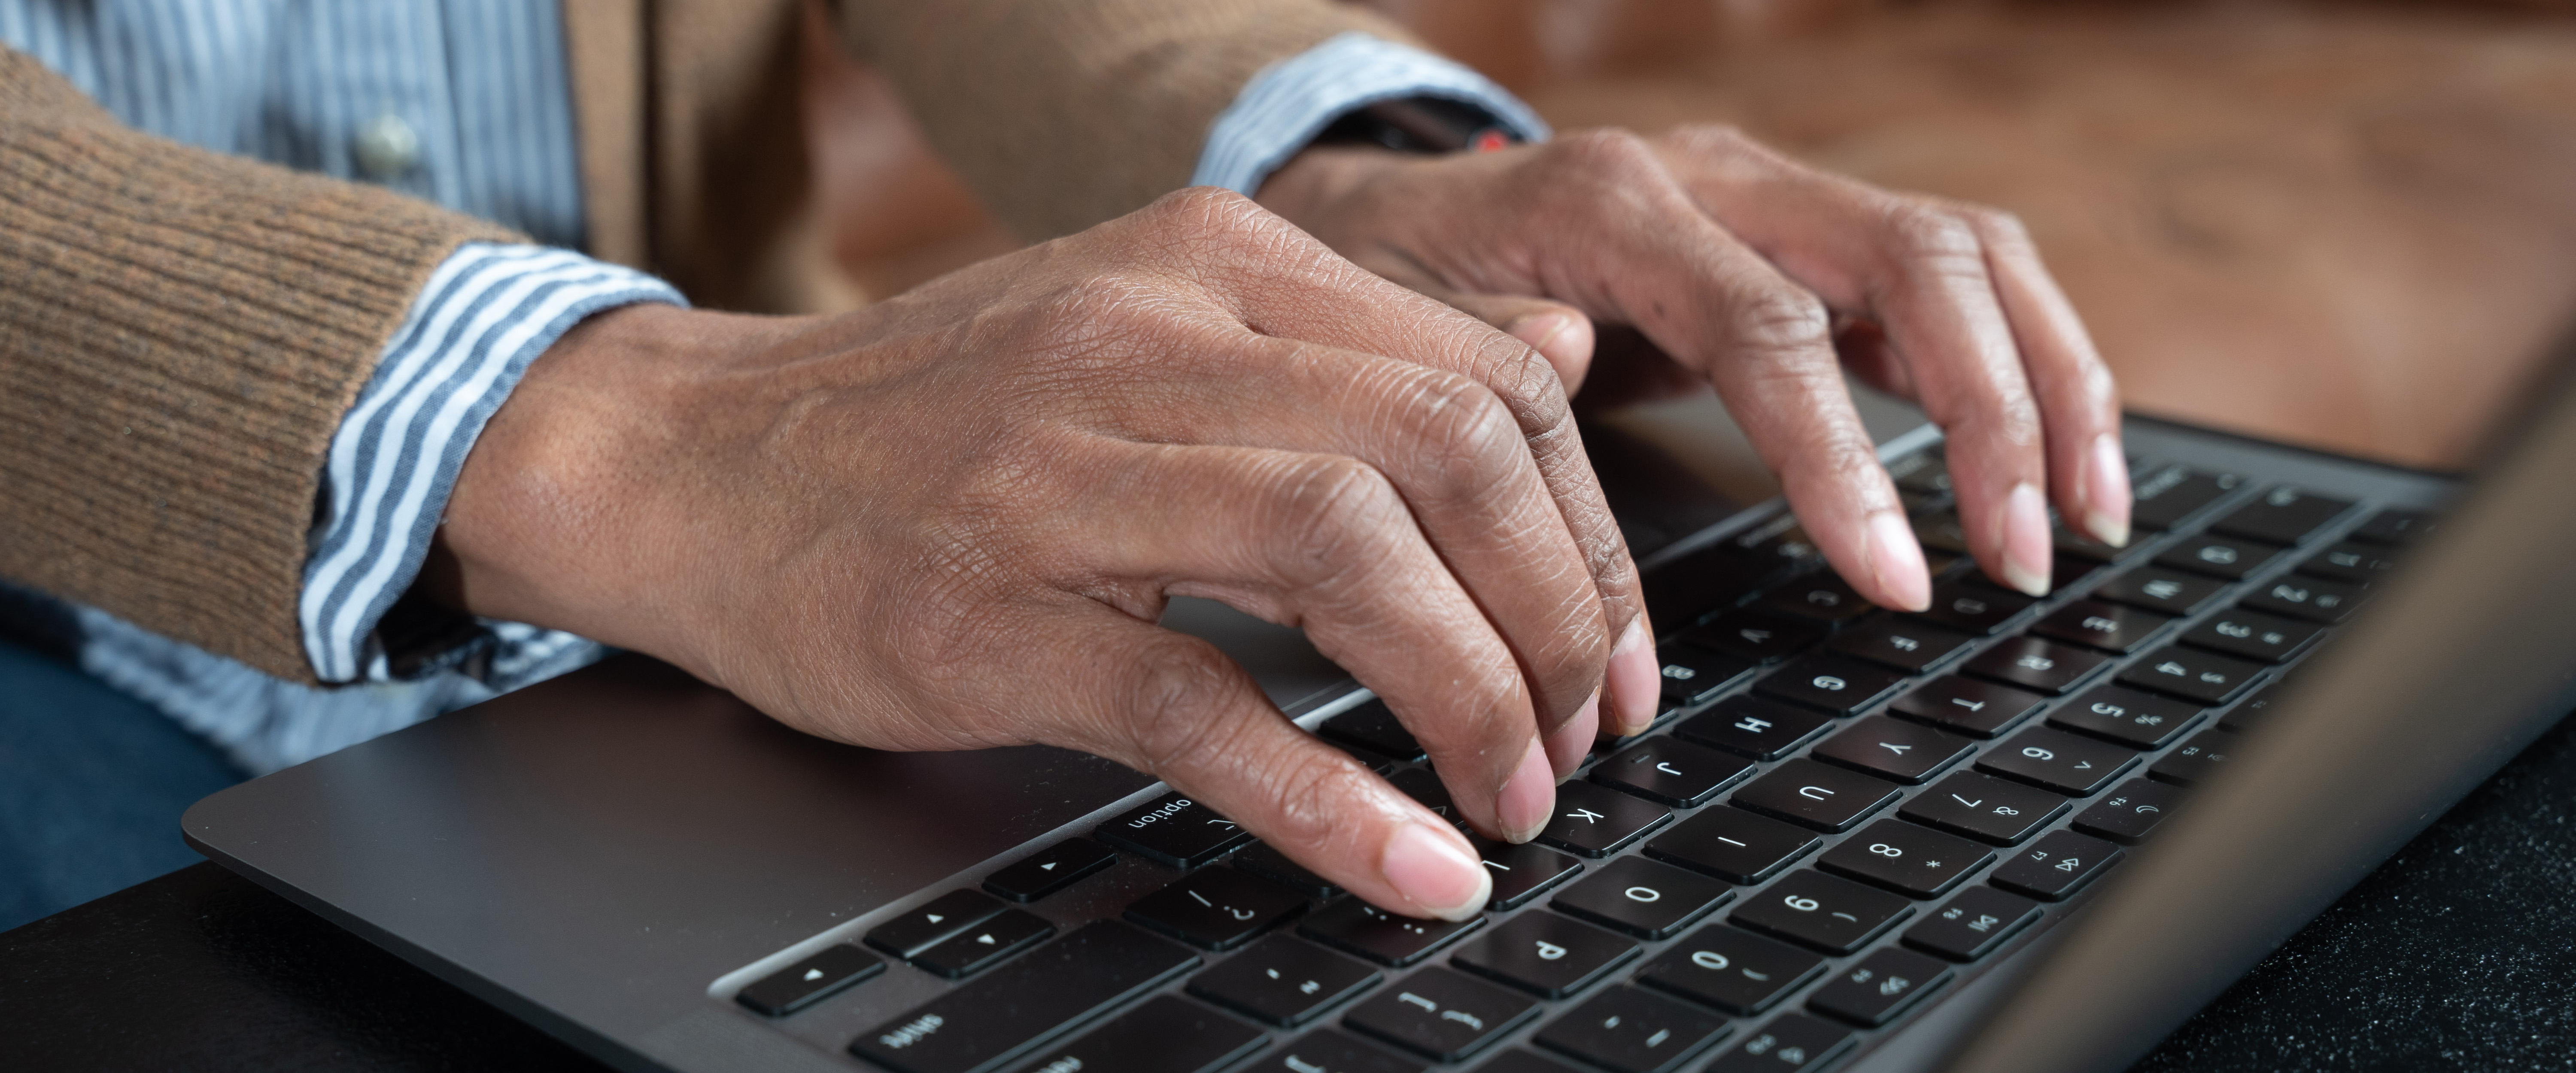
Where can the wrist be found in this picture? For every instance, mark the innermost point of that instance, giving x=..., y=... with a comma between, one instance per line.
x=549, y=522
x=1306, y=190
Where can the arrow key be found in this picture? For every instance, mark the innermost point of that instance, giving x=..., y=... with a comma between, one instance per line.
x=946, y=915
x=980, y=948
x=810, y=981
x=1050, y=870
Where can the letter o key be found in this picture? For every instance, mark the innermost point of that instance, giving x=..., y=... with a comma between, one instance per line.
x=1644, y=894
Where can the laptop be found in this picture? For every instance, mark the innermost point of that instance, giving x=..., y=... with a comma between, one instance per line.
x=2006, y=834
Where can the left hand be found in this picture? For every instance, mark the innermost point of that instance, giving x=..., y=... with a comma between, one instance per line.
x=1739, y=263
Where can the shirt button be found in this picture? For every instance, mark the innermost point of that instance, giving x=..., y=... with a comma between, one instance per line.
x=386, y=147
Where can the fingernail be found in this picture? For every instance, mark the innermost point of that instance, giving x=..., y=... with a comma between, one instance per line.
x=1540, y=330
x=2106, y=492
x=1571, y=742
x=1528, y=796
x=1634, y=680
x=1429, y=869
x=1896, y=562
x=2026, y=542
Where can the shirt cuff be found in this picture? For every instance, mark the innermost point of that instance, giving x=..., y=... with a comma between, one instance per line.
x=488, y=311
x=1289, y=102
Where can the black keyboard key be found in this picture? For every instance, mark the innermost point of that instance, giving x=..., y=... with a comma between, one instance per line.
x=1632, y=1031
x=1692, y=674
x=2037, y=665
x=2351, y=561
x=1327, y=1050
x=1733, y=845
x=2109, y=627
x=1830, y=913
x=1283, y=981
x=2166, y=592
x=1373, y=726
x=2396, y=527
x=2167, y=495
x=1381, y=936
x=1975, y=609
x=1967, y=706
x=1873, y=991
x=923, y=928
x=1266, y=861
x=1791, y=1043
x=2254, y=635
x=1050, y=870
x=1710, y=579
x=2206, y=678
x=1923, y=473
x=1942, y=533
x=1913, y=861
x=1172, y=830
x=1810, y=794
x=1523, y=1062
x=1906, y=752
x=1427, y=789
x=2254, y=707
x=1820, y=597
x=2056, y=760
x=2312, y=599
x=1901, y=643
x=2195, y=761
x=2138, y=720
x=2074, y=548
x=2056, y=866
x=1836, y=684
x=2129, y=814
x=2229, y=558
x=1544, y=953
x=1671, y=772
x=1441, y=1013
x=1985, y=808
x=1165, y=1035
x=1754, y=635
x=1220, y=908
x=1521, y=872
x=2282, y=515
x=1731, y=969
x=810, y=981
x=1972, y=924
x=984, y=1024
x=1642, y=897
x=1751, y=726
x=1780, y=542
x=985, y=945
x=1597, y=822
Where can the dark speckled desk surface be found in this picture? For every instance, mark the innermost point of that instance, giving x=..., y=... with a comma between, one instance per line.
x=2460, y=953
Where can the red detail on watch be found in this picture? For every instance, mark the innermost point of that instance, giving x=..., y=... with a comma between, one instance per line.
x=1489, y=139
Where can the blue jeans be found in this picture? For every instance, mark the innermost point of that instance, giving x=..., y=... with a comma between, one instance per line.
x=92, y=783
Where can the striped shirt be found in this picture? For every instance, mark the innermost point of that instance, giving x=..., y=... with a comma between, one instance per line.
x=466, y=103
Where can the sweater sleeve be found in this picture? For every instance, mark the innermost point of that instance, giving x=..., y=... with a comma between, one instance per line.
x=181, y=333
x=1062, y=115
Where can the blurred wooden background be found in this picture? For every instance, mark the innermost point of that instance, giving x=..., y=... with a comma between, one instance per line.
x=2343, y=224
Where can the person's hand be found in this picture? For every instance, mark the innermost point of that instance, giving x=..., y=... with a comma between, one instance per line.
x=1739, y=263
x=952, y=520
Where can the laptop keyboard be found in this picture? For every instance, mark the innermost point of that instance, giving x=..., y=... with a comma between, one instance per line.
x=1840, y=813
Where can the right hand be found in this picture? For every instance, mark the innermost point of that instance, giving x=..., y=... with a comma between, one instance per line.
x=952, y=520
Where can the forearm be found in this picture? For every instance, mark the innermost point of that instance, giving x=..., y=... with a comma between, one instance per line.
x=182, y=333
x=1061, y=116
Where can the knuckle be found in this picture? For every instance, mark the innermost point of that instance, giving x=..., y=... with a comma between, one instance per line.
x=1782, y=325
x=1338, y=512
x=1933, y=236
x=1175, y=692
x=1463, y=434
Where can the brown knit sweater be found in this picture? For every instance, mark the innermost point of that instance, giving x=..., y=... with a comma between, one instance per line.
x=180, y=331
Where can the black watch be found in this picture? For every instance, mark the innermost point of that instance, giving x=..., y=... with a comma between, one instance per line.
x=1431, y=125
